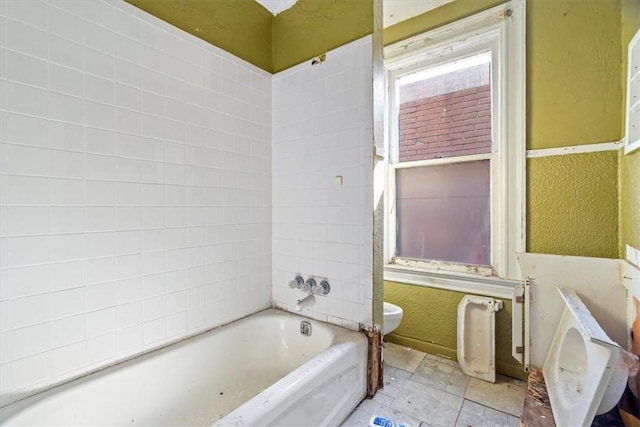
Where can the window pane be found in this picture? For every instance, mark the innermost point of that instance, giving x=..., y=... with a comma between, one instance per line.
x=443, y=213
x=445, y=111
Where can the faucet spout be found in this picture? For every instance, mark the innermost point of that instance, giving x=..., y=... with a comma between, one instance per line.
x=307, y=301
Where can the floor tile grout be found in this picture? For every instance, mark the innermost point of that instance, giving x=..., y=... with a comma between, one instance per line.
x=416, y=383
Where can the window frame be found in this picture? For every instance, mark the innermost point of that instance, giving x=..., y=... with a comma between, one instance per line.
x=500, y=30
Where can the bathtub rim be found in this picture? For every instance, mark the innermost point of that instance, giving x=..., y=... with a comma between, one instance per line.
x=340, y=335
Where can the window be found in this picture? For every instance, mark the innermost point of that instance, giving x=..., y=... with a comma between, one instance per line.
x=456, y=149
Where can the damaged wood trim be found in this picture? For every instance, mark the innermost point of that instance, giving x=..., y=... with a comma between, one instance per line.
x=374, y=360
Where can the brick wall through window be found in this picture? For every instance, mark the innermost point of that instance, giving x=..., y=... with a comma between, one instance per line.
x=447, y=115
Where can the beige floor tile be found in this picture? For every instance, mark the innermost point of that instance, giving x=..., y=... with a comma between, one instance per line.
x=402, y=357
x=435, y=407
x=506, y=395
x=368, y=408
x=476, y=415
x=393, y=380
x=442, y=374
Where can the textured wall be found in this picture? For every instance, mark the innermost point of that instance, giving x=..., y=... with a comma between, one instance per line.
x=241, y=27
x=313, y=27
x=573, y=205
x=573, y=72
x=427, y=323
x=573, y=98
x=629, y=201
x=629, y=164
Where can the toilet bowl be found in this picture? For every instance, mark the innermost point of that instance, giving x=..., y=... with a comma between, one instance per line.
x=392, y=317
x=582, y=371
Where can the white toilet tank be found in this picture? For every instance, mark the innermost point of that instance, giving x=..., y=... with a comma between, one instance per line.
x=476, y=336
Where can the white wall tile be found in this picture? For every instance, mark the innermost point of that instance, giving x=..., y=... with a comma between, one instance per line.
x=317, y=227
x=27, y=220
x=66, y=219
x=66, y=247
x=99, y=115
x=23, y=38
x=24, y=281
x=112, y=146
x=100, y=350
x=27, y=190
x=70, y=302
x=30, y=340
x=66, y=275
x=32, y=13
x=99, y=89
x=68, y=360
x=154, y=332
x=30, y=310
x=100, y=244
x=27, y=69
x=66, y=164
x=26, y=130
x=64, y=24
x=31, y=370
x=101, y=296
x=101, y=322
x=100, y=270
x=27, y=250
x=129, y=341
x=66, y=136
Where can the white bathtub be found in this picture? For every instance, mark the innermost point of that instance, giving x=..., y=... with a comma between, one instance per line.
x=258, y=371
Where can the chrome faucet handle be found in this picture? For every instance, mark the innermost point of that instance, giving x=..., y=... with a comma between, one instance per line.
x=324, y=288
x=309, y=285
x=296, y=283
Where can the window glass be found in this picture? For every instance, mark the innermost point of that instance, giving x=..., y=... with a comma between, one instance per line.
x=445, y=111
x=443, y=212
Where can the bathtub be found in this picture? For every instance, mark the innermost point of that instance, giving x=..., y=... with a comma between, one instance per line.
x=257, y=371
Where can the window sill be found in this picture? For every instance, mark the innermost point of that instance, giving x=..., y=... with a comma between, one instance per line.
x=458, y=282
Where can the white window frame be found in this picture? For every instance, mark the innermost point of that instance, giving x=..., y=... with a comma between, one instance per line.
x=502, y=31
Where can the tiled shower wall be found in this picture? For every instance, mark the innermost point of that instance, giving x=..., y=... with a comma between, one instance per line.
x=135, y=188
x=322, y=182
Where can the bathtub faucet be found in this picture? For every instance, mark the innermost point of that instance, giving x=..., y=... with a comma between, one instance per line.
x=305, y=302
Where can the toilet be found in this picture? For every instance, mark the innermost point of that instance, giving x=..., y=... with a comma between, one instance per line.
x=476, y=336
x=583, y=371
x=392, y=317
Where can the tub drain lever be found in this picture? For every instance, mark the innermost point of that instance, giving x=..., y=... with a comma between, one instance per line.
x=305, y=328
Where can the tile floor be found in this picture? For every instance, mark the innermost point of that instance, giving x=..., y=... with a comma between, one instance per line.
x=423, y=390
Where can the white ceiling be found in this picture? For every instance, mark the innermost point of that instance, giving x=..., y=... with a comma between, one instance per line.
x=394, y=10
x=277, y=6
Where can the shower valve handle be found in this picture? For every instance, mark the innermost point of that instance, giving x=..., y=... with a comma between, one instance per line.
x=309, y=285
x=296, y=283
x=324, y=288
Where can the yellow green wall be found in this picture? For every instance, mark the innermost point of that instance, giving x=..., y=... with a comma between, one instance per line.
x=573, y=72
x=273, y=43
x=573, y=98
x=429, y=323
x=572, y=204
x=313, y=27
x=629, y=164
x=241, y=27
